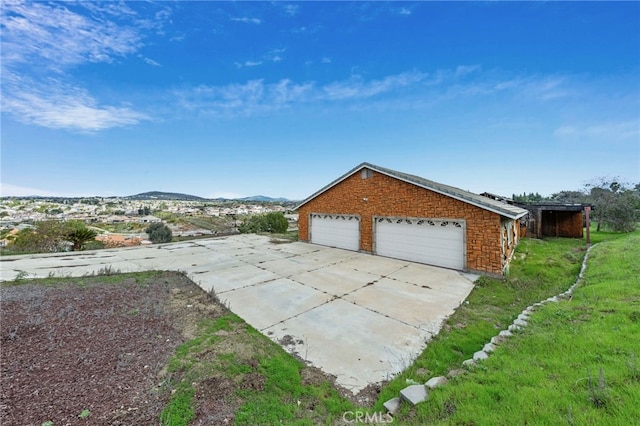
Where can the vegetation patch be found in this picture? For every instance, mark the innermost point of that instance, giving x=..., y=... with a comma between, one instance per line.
x=576, y=361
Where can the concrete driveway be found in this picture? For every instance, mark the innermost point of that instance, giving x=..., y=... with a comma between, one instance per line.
x=359, y=317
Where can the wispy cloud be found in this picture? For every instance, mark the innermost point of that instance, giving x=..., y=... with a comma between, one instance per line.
x=356, y=87
x=247, y=20
x=248, y=64
x=288, y=8
x=407, y=90
x=10, y=190
x=56, y=104
x=606, y=131
x=257, y=97
x=151, y=62
x=464, y=70
x=53, y=36
x=274, y=55
x=42, y=43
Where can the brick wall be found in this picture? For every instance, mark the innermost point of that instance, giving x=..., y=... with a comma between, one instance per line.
x=381, y=195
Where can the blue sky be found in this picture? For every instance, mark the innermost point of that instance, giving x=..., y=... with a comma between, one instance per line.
x=280, y=98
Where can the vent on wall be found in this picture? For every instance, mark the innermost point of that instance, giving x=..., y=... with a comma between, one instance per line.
x=367, y=173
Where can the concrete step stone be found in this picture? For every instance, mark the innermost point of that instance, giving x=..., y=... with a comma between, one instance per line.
x=505, y=333
x=469, y=362
x=496, y=340
x=434, y=382
x=514, y=327
x=480, y=355
x=520, y=323
x=392, y=405
x=489, y=347
x=414, y=394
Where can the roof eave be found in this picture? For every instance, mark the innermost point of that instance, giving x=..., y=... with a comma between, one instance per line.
x=504, y=213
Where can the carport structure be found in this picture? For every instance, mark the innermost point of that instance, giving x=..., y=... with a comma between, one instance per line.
x=359, y=317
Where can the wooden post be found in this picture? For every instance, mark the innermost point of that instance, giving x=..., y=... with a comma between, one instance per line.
x=587, y=209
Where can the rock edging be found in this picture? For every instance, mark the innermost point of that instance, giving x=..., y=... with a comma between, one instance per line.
x=415, y=394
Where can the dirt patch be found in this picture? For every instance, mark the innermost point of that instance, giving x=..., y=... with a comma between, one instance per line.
x=91, y=346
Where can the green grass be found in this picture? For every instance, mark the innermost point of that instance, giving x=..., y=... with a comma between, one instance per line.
x=576, y=362
x=106, y=276
x=541, y=268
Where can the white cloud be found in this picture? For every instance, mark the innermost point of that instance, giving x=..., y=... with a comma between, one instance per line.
x=58, y=105
x=326, y=60
x=151, y=62
x=51, y=35
x=464, y=70
x=291, y=9
x=411, y=90
x=247, y=20
x=404, y=11
x=248, y=64
x=274, y=55
x=356, y=87
x=9, y=190
x=606, y=131
x=256, y=96
x=42, y=43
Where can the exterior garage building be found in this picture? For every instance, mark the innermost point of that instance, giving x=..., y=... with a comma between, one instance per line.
x=381, y=211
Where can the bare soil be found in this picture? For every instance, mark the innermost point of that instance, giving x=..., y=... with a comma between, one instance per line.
x=95, y=351
x=89, y=346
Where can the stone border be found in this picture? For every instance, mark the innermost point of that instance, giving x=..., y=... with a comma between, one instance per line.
x=417, y=393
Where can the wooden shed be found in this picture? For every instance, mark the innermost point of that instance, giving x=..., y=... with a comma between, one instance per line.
x=555, y=220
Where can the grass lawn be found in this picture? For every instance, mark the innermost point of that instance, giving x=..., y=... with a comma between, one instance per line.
x=577, y=361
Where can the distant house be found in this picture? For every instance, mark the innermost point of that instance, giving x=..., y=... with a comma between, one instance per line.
x=389, y=213
x=149, y=219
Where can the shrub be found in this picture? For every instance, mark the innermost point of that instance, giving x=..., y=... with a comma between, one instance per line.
x=274, y=222
x=159, y=233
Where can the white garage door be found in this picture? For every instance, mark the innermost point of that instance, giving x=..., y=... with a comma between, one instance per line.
x=336, y=230
x=438, y=242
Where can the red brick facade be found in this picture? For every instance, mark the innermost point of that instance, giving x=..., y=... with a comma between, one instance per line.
x=382, y=195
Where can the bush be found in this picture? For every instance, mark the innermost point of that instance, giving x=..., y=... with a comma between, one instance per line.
x=159, y=233
x=274, y=222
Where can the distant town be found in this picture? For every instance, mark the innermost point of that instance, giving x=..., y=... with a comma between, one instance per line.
x=121, y=221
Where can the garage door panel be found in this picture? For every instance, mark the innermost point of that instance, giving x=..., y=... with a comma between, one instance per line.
x=342, y=231
x=431, y=241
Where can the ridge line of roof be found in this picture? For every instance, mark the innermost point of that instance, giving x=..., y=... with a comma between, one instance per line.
x=506, y=210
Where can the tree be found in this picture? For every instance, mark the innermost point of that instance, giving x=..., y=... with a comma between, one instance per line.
x=274, y=222
x=277, y=223
x=159, y=233
x=614, y=203
x=571, y=197
x=78, y=234
x=44, y=237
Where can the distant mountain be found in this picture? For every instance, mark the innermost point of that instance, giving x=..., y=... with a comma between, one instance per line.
x=263, y=198
x=157, y=195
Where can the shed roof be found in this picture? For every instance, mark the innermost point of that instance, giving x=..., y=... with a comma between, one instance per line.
x=503, y=209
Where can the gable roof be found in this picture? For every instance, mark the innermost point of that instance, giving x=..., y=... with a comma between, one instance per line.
x=503, y=209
